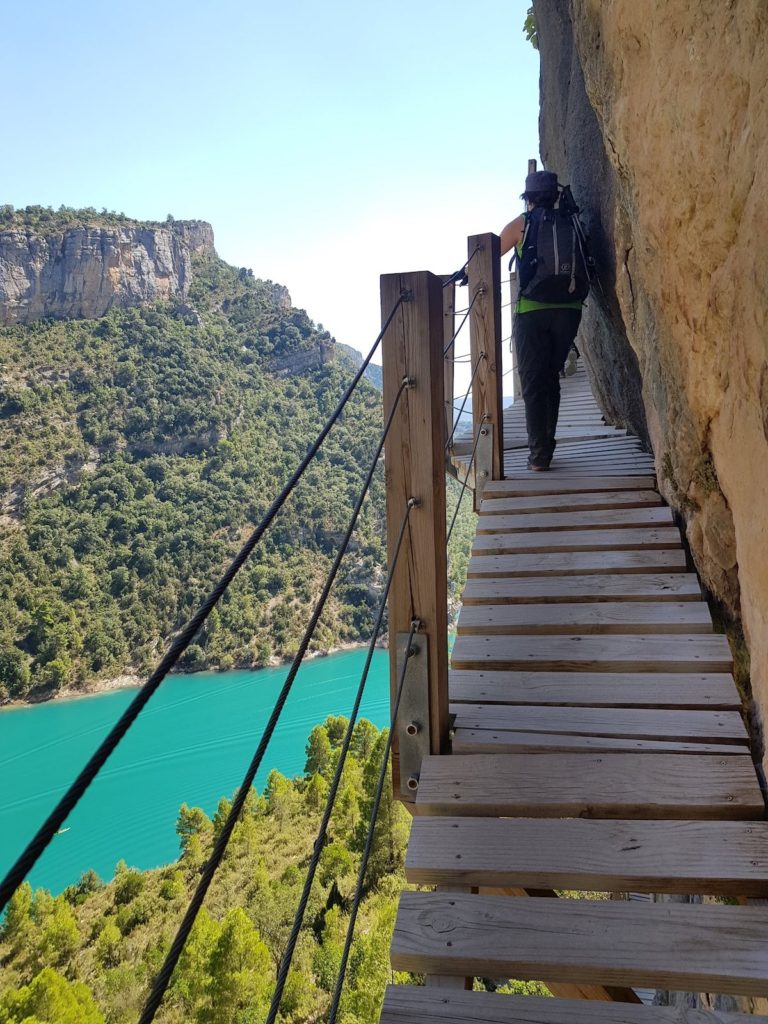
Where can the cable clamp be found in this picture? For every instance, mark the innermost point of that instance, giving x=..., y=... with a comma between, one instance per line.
x=409, y=383
x=414, y=503
x=406, y=295
x=416, y=624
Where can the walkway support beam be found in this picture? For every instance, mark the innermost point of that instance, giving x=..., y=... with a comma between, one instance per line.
x=412, y=348
x=484, y=272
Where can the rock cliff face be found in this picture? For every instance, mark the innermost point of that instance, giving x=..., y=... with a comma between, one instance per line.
x=84, y=271
x=657, y=113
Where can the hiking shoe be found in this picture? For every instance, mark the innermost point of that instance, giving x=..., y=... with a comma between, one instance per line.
x=538, y=467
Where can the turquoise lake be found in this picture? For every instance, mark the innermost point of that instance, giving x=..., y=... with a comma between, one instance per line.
x=191, y=744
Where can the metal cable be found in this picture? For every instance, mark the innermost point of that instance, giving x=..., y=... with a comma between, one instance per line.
x=466, y=478
x=317, y=849
x=460, y=272
x=449, y=442
x=369, y=837
x=59, y=814
x=449, y=346
x=160, y=984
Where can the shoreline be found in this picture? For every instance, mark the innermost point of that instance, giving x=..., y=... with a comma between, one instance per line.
x=130, y=681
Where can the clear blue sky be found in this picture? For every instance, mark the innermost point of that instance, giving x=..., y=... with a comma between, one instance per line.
x=326, y=142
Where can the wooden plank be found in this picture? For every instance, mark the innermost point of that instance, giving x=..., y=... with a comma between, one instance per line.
x=484, y=741
x=648, y=724
x=449, y=326
x=716, y=858
x=701, y=786
x=572, y=589
x=648, y=539
x=412, y=1004
x=484, y=289
x=587, y=689
x=615, y=519
x=676, y=946
x=608, y=653
x=583, y=618
x=582, y=501
x=415, y=457
x=555, y=483
x=580, y=563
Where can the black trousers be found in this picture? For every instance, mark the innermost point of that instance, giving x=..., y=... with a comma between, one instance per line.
x=542, y=340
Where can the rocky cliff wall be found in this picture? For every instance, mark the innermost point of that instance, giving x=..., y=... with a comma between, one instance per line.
x=657, y=112
x=84, y=271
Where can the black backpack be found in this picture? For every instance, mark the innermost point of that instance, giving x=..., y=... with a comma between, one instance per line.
x=555, y=264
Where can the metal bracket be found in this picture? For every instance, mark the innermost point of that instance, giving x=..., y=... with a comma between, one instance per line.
x=483, y=460
x=413, y=716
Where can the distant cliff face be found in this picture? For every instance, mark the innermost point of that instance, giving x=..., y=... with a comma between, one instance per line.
x=85, y=271
x=657, y=113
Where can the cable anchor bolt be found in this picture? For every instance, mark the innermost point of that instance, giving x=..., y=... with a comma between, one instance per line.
x=408, y=383
x=413, y=783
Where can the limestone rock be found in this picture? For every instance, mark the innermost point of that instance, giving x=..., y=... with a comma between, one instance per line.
x=85, y=271
x=657, y=113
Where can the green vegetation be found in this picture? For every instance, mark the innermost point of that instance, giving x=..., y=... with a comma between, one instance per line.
x=140, y=450
x=45, y=218
x=91, y=953
x=529, y=28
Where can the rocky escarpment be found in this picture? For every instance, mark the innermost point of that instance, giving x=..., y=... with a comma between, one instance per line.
x=658, y=115
x=83, y=271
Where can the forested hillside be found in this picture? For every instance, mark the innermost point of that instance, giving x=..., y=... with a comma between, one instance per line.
x=138, y=451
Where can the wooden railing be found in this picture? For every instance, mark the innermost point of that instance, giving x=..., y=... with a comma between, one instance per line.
x=414, y=348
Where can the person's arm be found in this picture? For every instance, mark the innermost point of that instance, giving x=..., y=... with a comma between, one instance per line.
x=512, y=234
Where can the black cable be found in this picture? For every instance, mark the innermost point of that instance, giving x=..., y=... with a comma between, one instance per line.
x=369, y=837
x=449, y=442
x=64, y=807
x=457, y=276
x=163, y=977
x=317, y=849
x=81, y=783
x=449, y=346
x=466, y=478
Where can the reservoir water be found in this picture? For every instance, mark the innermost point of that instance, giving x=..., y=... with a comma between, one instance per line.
x=191, y=744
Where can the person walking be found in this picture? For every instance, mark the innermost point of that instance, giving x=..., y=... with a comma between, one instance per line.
x=554, y=282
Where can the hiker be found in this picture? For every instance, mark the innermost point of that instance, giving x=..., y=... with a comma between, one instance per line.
x=550, y=249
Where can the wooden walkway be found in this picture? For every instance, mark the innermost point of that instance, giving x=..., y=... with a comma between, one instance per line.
x=598, y=748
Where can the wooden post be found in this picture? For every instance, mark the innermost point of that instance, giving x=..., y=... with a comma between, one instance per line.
x=415, y=468
x=449, y=326
x=484, y=273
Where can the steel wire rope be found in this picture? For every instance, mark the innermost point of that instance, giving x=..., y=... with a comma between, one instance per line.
x=460, y=272
x=449, y=346
x=415, y=624
x=322, y=832
x=163, y=977
x=449, y=442
x=466, y=478
x=63, y=808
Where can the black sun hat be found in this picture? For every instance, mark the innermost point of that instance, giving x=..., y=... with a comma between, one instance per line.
x=541, y=182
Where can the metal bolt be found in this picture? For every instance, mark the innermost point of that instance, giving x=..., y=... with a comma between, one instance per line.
x=413, y=728
x=413, y=783
x=413, y=650
x=408, y=383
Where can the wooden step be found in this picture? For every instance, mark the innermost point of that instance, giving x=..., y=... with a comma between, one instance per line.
x=607, y=653
x=500, y=741
x=412, y=1004
x=724, y=858
x=588, y=689
x=582, y=500
x=676, y=586
x=547, y=785
x=647, y=724
x=577, y=563
x=600, y=519
x=676, y=946
x=557, y=483
x=583, y=618
x=647, y=539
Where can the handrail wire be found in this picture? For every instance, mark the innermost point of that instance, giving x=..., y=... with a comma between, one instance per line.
x=466, y=478
x=163, y=977
x=460, y=272
x=449, y=346
x=415, y=624
x=322, y=832
x=63, y=808
x=449, y=442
